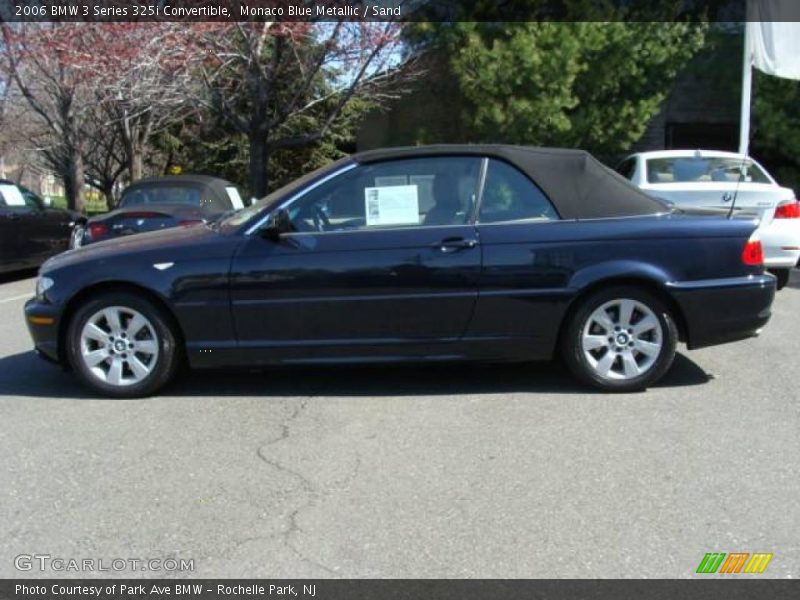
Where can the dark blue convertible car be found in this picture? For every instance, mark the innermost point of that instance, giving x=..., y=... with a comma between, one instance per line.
x=412, y=254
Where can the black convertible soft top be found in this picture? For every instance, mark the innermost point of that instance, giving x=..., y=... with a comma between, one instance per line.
x=578, y=184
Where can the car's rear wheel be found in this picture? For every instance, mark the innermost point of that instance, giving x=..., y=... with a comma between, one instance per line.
x=76, y=237
x=782, y=275
x=122, y=345
x=620, y=339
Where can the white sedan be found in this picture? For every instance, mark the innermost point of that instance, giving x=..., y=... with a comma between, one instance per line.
x=725, y=182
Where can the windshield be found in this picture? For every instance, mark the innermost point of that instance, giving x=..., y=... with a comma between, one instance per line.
x=685, y=169
x=168, y=194
x=242, y=216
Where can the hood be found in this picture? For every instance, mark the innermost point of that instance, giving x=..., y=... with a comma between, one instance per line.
x=164, y=239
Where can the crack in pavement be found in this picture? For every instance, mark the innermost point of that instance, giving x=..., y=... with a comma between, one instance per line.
x=306, y=485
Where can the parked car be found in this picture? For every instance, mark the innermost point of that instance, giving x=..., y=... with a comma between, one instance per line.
x=30, y=231
x=412, y=254
x=715, y=180
x=161, y=203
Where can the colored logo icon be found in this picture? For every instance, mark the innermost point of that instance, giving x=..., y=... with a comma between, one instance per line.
x=734, y=563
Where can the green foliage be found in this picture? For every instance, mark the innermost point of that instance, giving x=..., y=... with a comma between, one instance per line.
x=581, y=84
x=212, y=147
x=776, y=126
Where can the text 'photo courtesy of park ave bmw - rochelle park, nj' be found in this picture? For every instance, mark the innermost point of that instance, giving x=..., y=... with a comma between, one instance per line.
x=399, y=299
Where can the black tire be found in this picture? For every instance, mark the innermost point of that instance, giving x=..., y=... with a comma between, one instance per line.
x=169, y=352
x=572, y=341
x=782, y=275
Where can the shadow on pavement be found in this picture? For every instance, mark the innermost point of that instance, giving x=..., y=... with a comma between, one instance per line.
x=27, y=375
x=794, y=279
x=17, y=275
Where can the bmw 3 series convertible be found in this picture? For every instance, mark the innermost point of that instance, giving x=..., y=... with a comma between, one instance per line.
x=493, y=253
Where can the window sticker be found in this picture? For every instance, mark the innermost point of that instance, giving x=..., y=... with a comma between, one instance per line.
x=236, y=199
x=11, y=195
x=392, y=205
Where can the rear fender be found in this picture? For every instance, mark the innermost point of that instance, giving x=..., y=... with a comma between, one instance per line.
x=617, y=269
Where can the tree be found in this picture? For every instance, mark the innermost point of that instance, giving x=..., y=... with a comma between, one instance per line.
x=776, y=126
x=145, y=82
x=48, y=63
x=82, y=78
x=285, y=85
x=581, y=84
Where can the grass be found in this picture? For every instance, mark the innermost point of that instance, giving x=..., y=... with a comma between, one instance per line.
x=92, y=205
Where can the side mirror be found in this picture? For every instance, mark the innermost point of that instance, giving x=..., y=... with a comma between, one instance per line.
x=277, y=224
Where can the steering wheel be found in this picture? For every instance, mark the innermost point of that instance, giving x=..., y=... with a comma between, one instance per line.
x=321, y=221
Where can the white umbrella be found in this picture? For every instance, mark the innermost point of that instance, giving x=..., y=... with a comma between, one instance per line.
x=772, y=45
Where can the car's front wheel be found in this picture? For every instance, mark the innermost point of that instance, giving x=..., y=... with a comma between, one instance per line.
x=122, y=345
x=620, y=339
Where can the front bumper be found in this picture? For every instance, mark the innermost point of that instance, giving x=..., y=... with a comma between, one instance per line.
x=43, y=320
x=718, y=311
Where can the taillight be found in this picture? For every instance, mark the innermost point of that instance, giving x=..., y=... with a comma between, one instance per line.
x=753, y=253
x=788, y=211
x=188, y=222
x=97, y=230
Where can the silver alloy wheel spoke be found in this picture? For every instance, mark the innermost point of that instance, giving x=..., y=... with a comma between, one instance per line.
x=146, y=347
x=645, y=325
x=629, y=364
x=119, y=346
x=94, y=332
x=648, y=348
x=113, y=320
x=93, y=358
x=114, y=375
x=135, y=325
x=139, y=369
x=593, y=342
x=626, y=308
x=622, y=339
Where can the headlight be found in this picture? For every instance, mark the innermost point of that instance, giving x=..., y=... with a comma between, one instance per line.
x=42, y=285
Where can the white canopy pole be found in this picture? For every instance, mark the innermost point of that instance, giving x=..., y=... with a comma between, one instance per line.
x=747, y=91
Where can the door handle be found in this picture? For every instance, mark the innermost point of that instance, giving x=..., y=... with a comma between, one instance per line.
x=454, y=244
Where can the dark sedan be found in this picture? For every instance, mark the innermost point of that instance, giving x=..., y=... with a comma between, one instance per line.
x=30, y=231
x=412, y=254
x=161, y=203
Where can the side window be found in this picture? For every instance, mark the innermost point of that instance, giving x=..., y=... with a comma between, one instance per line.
x=626, y=168
x=31, y=200
x=510, y=196
x=419, y=192
x=14, y=198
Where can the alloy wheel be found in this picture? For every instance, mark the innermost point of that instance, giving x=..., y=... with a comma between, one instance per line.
x=622, y=339
x=119, y=346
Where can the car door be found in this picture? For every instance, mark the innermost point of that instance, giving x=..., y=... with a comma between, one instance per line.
x=382, y=260
x=49, y=228
x=529, y=255
x=10, y=250
x=20, y=246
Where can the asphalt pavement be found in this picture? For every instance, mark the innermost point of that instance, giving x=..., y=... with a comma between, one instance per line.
x=448, y=471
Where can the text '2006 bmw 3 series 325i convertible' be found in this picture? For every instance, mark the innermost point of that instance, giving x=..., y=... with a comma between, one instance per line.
x=412, y=254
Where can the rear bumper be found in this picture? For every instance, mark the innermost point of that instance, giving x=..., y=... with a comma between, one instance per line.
x=42, y=321
x=781, y=242
x=718, y=311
